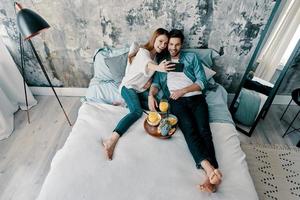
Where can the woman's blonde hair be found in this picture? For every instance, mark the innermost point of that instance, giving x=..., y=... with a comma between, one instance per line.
x=150, y=44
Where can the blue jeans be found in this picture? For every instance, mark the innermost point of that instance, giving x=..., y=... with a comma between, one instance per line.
x=192, y=114
x=132, y=99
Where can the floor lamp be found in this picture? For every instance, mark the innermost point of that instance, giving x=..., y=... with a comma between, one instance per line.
x=31, y=24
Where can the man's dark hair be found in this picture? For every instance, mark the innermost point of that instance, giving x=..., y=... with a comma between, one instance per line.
x=175, y=33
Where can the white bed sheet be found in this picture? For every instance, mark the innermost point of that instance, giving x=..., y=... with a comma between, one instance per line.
x=143, y=167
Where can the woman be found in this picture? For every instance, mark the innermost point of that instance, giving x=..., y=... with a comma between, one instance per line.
x=139, y=70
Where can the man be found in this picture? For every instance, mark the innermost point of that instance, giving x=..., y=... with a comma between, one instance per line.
x=185, y=91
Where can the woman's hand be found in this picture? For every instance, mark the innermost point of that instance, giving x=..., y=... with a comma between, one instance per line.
x=176, y=94
x=152, y=103
x=165, y=66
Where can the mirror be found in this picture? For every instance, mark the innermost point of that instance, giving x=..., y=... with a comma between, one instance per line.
x=256, y=96
x=261, y=81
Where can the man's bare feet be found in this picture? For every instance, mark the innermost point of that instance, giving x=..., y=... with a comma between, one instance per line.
x=206, y=186
x=214, y=175
x=110, y=144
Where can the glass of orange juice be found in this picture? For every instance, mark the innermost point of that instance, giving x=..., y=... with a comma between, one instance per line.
x=164, y=105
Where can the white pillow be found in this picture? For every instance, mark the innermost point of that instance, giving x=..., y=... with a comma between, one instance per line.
x=134, y=47
x=209, y=73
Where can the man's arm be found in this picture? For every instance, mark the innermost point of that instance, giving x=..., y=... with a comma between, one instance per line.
x=179, y=93
x=153, y=90
x=199, y=73
x=199, y=84
x=152, y=103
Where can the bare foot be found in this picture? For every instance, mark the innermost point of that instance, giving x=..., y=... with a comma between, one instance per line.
x=110, y=144
x=206, y=186
x=214, y=175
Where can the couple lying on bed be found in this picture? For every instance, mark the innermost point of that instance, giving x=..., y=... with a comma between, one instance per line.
x=185, y=91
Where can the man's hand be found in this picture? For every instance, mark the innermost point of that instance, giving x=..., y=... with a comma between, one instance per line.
x=152, y=103
x=175, y=94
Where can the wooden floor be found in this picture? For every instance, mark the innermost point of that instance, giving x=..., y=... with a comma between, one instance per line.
x=271, y=129
x=25, y=157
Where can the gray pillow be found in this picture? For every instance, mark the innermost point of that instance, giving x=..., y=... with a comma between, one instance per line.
x=206, y=55
x=117, y=66
x=248, y=107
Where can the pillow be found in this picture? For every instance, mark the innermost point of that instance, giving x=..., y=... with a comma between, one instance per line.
x=247, y=107
x=207, y=56
x=101, y=91
x=101, y=71
x=134, y=47
x=209, y=73
x=117, y=66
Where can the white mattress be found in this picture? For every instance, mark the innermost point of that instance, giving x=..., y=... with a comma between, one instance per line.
x=143, y=167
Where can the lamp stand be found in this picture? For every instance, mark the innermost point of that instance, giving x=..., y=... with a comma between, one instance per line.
x=48, y=79
x=31, y=24
x=23, y=74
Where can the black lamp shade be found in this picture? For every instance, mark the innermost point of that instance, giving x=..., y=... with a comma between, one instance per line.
x=30, y=23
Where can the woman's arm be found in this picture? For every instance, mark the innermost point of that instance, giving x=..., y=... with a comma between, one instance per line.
x=164, y=66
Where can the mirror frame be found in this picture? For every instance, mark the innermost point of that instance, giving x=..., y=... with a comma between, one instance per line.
x=264, y=110
x=251, y=66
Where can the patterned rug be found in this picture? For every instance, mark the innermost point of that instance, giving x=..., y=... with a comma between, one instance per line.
x=275, y=170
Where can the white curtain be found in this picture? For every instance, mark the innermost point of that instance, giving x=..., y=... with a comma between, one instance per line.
x=271, y=57
x=11, y=92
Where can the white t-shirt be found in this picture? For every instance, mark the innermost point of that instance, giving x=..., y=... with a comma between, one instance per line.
x=178, y=80
x=137, y=73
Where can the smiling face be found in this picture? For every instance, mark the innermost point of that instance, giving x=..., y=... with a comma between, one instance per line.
x=161, y=42
x=174, y=46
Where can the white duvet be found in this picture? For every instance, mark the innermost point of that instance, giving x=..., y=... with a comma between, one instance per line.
x=143, y=167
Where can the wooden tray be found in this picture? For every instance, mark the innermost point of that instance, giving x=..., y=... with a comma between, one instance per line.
x=152, y=130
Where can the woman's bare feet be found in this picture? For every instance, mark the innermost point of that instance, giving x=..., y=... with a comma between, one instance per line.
x=109, y=145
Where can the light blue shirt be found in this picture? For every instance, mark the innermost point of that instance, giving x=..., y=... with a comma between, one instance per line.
x=193, y=69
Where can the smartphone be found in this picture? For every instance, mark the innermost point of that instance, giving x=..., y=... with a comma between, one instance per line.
x=178, y=67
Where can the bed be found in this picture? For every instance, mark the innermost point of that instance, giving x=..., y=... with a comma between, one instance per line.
x=144, y=167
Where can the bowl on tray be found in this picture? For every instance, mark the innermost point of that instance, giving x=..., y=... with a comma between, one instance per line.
x=160, y=127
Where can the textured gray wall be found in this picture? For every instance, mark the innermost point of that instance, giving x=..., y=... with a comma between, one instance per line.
x=79, y=27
